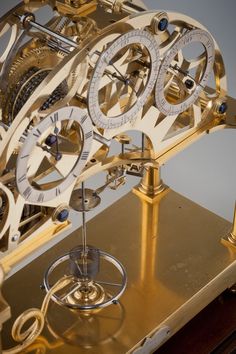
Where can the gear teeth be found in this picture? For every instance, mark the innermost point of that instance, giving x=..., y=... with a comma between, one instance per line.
x=62, y=24
x=33, y=52
x=20, y=68
x=37, y=52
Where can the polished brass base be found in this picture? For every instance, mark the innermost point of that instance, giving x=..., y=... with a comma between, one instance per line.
x=176, y=265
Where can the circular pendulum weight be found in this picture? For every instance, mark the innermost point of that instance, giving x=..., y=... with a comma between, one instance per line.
x=90, y=271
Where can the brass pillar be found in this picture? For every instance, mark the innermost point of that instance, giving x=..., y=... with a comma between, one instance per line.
x=230, y=239
x=232, y=236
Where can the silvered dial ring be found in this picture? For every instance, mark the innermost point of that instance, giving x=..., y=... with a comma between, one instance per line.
x=64, y=138
x=193, y=85
x=132, y=60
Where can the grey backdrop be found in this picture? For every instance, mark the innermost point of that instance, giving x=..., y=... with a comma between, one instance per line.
x=206, y=171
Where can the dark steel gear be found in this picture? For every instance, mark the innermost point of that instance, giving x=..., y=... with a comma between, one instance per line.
x=26, y=86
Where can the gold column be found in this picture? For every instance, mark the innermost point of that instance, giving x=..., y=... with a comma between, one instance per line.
x=150, y=192
x=232, y=236
x=149, y=222
x=230, y=239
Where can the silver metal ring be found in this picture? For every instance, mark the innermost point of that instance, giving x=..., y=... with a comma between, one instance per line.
x=112, y=299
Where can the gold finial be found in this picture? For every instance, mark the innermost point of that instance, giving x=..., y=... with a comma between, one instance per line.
x=151, y=185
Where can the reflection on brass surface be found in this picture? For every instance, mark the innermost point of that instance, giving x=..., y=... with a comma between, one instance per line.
x=175, y=263
x=85, y=330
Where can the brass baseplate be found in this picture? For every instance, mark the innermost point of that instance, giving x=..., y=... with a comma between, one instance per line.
x=176, y=265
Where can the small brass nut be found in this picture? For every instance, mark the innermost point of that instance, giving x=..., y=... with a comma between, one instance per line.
x=123, y=139
x=26, y=18
x=160, y=23
x=61, y=214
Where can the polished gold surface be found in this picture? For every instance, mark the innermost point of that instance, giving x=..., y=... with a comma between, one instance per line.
x=176, y=265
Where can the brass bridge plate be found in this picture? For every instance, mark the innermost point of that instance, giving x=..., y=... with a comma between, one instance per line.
x=175, y=263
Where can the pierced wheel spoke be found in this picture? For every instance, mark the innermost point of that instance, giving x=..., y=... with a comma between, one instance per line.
x=63, y=167
x=71, y=291
x=36, y=160
x=109, y=283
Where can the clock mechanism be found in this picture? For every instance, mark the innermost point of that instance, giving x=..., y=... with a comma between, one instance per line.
x=69, y=90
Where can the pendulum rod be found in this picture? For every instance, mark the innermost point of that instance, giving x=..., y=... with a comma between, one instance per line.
x=143, y=142
x=84, y=232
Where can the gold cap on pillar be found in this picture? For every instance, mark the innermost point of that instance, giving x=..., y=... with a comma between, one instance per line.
x=151, y=185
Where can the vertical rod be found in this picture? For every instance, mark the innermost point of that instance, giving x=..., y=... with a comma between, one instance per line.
x=143, y=142
x=84, y=231
x=122, y=149
x=122, y=152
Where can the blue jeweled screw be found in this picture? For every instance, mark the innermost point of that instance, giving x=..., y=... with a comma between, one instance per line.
x=223, y=108
x=63, y=215
x=163, y=24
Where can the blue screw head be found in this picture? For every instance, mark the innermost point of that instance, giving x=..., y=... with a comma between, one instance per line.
x=163, y=24
x=58, y=156
x=63, y=215
x=189, y=84
x=51, y=140
x=223, y=108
